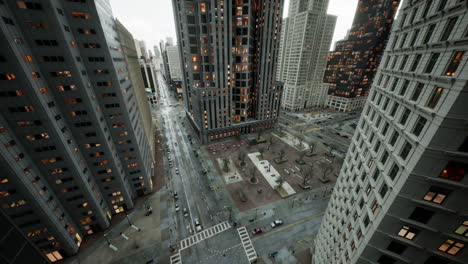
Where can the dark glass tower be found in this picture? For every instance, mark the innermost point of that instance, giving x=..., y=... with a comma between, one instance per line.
x=228, y=52
x=352, y=65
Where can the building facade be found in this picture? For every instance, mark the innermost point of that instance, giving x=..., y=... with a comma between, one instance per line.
x=73, y=150
x=229, y=52
x=400, y=196
x=175, y=71
x=305, y=42
x=352, y=65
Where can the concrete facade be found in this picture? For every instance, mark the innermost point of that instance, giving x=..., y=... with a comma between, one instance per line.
x=74, y=151
x=305, y=42
x=229, y=77
x=400, y=195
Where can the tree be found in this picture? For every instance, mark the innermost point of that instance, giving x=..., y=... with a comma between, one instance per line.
x=300, y=138
x=270, y=142
x=241, y=158
x=260, y=133
x=253, y=174
x=226, y=162
x=311, y=148
x=331, y=148
x=308, y=174
x=281, y=154
x=300, y=160
x=261, y=150
x=327, y=168
x=280, y=181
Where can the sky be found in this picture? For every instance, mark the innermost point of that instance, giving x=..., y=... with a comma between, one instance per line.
x=152, y=20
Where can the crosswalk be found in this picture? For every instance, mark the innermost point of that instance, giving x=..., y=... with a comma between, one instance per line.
x=176, y=259
x=207, y=233
x=247, y=244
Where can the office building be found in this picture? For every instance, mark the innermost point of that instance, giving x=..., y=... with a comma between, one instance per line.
x=165, y=62
x=305, y=42
x=229, y=51
x=352, y=65
x=401, y=193
x=73, y=151
x=175, y=71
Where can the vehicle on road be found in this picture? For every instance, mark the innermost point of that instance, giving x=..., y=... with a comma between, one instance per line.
x=276, y=223
x=177, y=208
x=344, y=136
x=319, y=136
x=211, y=187
x=256, y=231
x=198, y=226
x=185, y=212
x=204, y=171
x=177, y=170
x=176, y=196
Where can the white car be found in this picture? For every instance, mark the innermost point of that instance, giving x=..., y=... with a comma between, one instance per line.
x=276, y=223
x=185, y=212
x=177, y=170
x=198, y=226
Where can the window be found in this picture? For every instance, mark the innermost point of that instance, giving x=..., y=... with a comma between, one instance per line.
x=451, y=247
x=454, y=63
x=426, y=9
x=436, y=195
x=80, y=15
x=404, y=116
x=403, y=63
x=384, y=158
x=8, y=21
x=419, y=126
x=432, y=62
x=374, y=206
x=393, y=172
x=448, y=28
x=436, y=260
x=434, y=98
x=464, y=146
x=462, y=229
x=35, y=75
x=384, y=259
x=442, y=5
x=394, y=109
x=54, y=256
x=416, y=62
x=46, y=42
x=421, y=215
x=396, y=247
x=405, y=150
x=415, y=37
x=429, y=32
x=417, y=91
x=454, y=171
x=408, y=232
x=383, y=190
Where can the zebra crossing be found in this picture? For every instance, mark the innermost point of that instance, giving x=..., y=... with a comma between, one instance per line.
x=247, y=244
x=176, y=259
x=207, y=233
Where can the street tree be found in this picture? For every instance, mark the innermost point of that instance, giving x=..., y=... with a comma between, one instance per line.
x=226, y=162
x=281, y=154
x=270, y=142
x=332, y=147
x=260, y=133
x=308, y=174
x=300, y=138
x=261, y=150
x=280, y=181
x=311, y=148
x=241, y=157
x=327, y=168
x=253, y=174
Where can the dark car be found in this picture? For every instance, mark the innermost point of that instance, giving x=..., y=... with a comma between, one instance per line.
x=256, y=231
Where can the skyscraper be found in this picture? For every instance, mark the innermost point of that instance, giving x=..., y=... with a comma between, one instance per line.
x=305, y=42
x=402, y=191
x=229, y=51
x=73, y=148
x=352, y=65
x=173, y=61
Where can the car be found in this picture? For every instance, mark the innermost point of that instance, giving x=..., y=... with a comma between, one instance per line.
x=177, y=208
x=256, y=231
x=276, y=223
x=344, y=136
x=319, y=136
x=176, y=196
x=198, y=226
x=185, y=212
x=204, y=171
x=211, y=187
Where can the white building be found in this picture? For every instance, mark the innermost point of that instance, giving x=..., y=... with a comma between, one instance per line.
x=173, y=59
x=305, y=41
x=401, y=193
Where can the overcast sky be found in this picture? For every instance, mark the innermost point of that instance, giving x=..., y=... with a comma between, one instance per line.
x=152, y=20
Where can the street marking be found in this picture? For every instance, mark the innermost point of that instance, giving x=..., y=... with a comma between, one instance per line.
x=311, y=130
x=176, y=259
x=288, y=226
x=207, y=233
x=247, y=244
x=300, y=124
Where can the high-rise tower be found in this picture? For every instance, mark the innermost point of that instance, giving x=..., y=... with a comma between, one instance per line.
x=402, y=191
x=229, y=52
x=352, y=65
x=73, y=148
x=305, y=42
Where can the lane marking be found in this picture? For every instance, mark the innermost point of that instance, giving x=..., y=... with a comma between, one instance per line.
x=247, y=244
x=205, y=234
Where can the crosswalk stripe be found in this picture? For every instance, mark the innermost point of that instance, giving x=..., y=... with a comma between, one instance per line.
x=176, y=259
x=247, y=244
x=207, y=233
